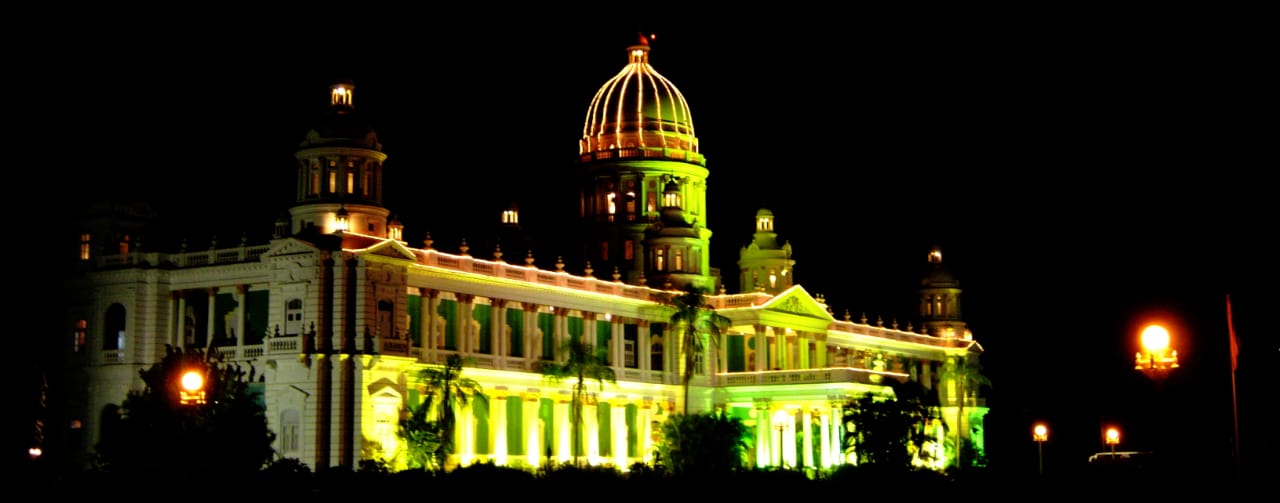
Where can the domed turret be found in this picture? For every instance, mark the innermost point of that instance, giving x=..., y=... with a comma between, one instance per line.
x=340, y=172
x=639, y=109
x=940, y=301
x=640, y=166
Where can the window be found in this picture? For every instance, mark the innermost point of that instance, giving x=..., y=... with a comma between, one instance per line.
x=113, y=328
x=333, y=181
x=351, y=183
x=290, y=423
x=612, y=203
x=84, y=246
x=659, y=260
x=679, y=261
x=628, y=250
x=368, y=180
x=385, y=329
x=78, y=335
x=124, y=245
x=293, y=317
x=314, y=189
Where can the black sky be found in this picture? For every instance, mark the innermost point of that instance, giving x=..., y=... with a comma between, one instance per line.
x=1080, y=170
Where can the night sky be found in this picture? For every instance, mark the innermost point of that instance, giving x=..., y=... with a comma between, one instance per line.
x=1082, y=172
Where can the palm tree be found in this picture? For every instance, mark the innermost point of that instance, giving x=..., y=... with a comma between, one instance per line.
x=583, y=361
x=455, y=391
x=966, y=372
x=693, y=315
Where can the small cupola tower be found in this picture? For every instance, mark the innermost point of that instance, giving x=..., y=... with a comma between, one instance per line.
x=764, y=265
x=339, y=171
x=674, y=247
x=940, y=301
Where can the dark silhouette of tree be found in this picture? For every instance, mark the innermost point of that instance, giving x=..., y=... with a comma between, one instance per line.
x=583, y=361
x=701, y=444
x=695, y=317
x=454, y=392
x=222, y=432
x=884, y=430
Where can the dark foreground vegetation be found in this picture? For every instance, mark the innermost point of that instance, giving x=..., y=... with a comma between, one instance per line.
x=487, y=482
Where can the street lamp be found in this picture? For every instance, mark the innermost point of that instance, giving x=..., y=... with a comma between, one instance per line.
x=192, y=388
x=1157, y=355
x=1113, y=438
x=1040, y=433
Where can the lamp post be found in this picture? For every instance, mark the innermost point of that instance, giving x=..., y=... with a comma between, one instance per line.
x=1157, y=355
x=1113, y=438
x=1040, y=433
x=192, y=388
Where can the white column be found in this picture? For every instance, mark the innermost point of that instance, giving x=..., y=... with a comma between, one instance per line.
x=789, y=442
x=643, y=423
x=802, y=350
x=564, y=452
x=241, y=314
x=466, y=435
x=618, y=433
x=764, y=432
x=824, y=435
x=211, y=314
x=762, y=349
x=498, y=418
x=643, y=357
x=533, y=432
x=591, y=432
x=806, y=417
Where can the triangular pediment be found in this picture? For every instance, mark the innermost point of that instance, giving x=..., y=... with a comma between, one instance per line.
x=288, y=247
x=390, y=248
x=796, y=300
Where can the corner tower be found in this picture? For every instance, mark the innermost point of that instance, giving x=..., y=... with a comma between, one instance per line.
x=764, y=265
x=638, y=162
x=339, y=166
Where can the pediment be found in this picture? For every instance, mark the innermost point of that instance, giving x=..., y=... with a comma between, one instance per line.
x=391, y=248
x=796, y=300
x=288, y=247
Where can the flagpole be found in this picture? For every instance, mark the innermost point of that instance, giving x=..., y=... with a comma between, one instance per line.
x=1235, y=409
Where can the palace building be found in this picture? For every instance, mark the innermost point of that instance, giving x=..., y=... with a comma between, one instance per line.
x=338, y=312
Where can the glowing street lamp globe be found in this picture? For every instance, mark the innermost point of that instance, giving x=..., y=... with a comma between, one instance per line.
x=1157, y=353
x=192, y=391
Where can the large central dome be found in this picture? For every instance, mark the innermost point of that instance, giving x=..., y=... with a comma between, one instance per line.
x=639, y=110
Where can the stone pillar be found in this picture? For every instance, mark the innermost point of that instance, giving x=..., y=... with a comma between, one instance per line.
x=430, y=300
x=241, y=291
x=533, y=430
x=820, y=340
x=561, y=334
x=499, y=344
x=837, y=431
x=824, y=441
x=498, y=418
x=645, y=349
x=466, y=335
x=762, y=349
x=764, y=432
x=563, y=451
x=210, y=314
x=618, y=432
x=591, y=428
x=802, y=350
x=806, y=428
x=617, y=346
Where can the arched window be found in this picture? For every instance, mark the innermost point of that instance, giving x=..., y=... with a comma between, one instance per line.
x=78, y=335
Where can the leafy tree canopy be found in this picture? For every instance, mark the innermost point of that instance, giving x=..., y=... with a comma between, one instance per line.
x=222, y=432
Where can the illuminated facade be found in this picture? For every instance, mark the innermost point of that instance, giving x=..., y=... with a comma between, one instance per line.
x=339, y=312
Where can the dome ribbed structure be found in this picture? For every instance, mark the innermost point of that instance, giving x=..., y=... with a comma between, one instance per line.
x=639, y=113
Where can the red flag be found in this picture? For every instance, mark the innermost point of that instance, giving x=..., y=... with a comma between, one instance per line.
x=1231, y=329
